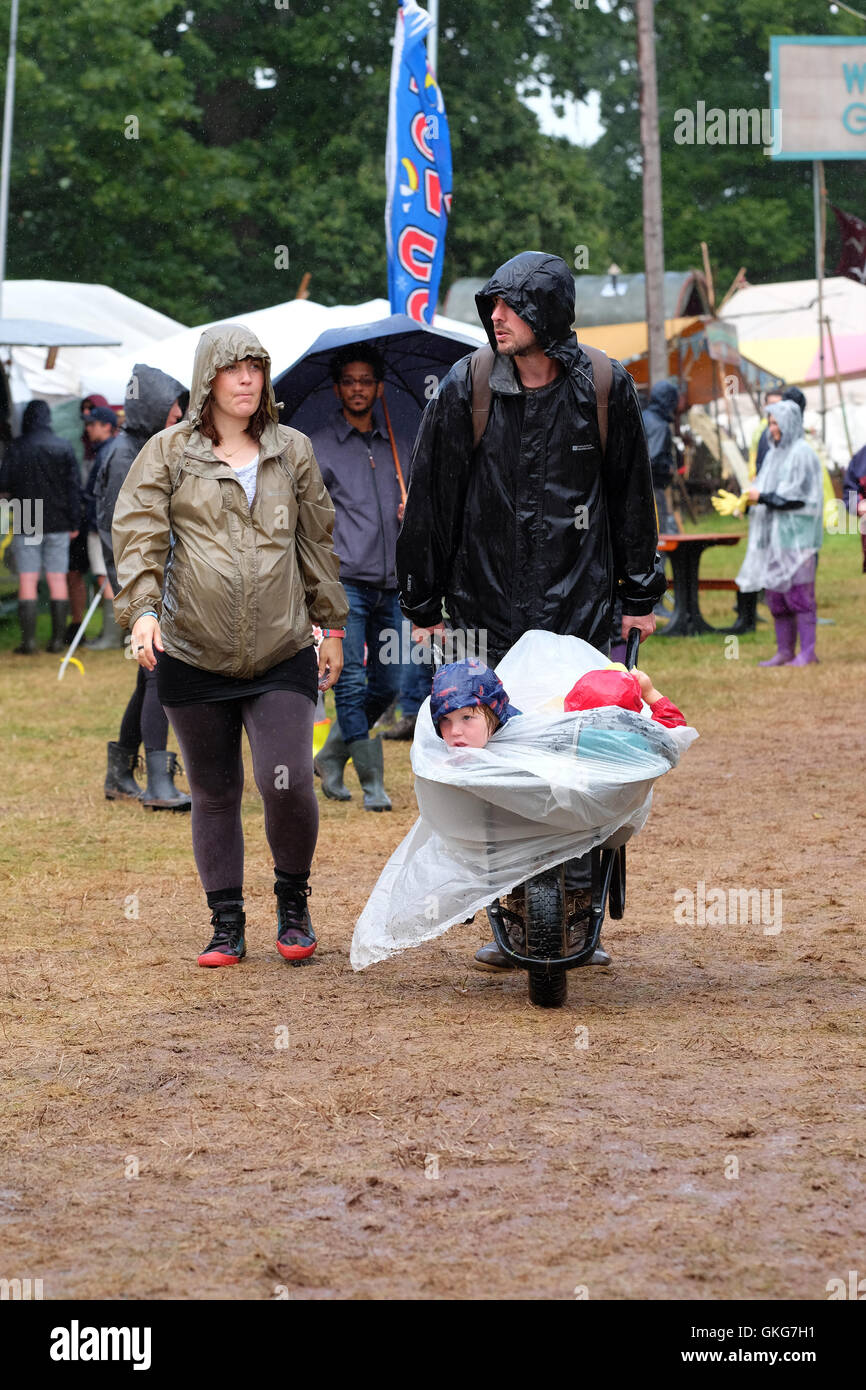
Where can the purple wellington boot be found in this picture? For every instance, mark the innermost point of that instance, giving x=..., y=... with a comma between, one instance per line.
x=786, y=639
x=806, y=623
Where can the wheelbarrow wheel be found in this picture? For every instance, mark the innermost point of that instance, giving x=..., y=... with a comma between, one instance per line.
x=548, y=986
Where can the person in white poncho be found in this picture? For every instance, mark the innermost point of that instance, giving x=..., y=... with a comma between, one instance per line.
x=786, y=529
x=501, y=800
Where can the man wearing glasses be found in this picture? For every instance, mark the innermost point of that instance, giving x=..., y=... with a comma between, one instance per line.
x=354, y=454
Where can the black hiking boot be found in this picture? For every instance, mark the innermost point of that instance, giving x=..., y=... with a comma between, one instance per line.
x=120, y=785
x=296, y=939
x=227, y=946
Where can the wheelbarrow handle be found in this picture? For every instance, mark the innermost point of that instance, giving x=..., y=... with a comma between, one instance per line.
x=632, y=647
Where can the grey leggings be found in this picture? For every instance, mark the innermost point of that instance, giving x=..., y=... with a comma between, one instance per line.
x=279, y=726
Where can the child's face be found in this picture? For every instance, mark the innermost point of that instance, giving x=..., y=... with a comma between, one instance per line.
x=465, y=727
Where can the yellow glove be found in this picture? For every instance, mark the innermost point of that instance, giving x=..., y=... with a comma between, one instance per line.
x=729, y=504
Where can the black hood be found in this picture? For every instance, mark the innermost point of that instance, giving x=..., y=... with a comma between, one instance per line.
x=793, y=393
x=37, y=416
x=664, y=398
x=150, y=395
x=540, y=290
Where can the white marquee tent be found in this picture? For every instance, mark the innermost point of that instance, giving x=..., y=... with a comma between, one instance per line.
x=93, y=307
x=285, y=330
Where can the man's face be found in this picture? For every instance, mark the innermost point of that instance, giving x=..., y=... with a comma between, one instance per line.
x=357, y=390
x=514, y=338
x=175, y=414
x=775, y=432
x=772, y=398
x=98, y=431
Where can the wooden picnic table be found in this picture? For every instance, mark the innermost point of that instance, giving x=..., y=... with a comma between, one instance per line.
x=685, y=551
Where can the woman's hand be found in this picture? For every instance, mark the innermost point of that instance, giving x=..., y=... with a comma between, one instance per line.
x=330, y=661
x=145, y=637
x=753, y=494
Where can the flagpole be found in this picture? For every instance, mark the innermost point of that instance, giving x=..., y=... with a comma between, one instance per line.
x=433, y=36
x=6, y=157
x=820, y=193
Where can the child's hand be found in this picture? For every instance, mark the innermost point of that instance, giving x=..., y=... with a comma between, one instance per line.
x=647, y=689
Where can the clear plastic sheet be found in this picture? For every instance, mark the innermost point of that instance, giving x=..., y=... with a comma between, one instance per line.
x=547, y=787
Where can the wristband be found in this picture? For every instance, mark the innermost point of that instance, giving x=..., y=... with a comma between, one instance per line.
x=333, y=632
x=148, y=613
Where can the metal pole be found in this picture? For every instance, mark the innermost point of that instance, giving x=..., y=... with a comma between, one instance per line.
x=433, y=37
x=653, y=240
x=6, y=158
x=818, y=187
x=839, y=384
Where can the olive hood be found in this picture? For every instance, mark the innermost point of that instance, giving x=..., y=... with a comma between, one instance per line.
x=219, y=347
x=540, y=289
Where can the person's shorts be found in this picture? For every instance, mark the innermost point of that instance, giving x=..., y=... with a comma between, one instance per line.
x=95, y=556
x=50, y=555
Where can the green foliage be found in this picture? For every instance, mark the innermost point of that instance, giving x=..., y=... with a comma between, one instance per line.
x=170, y=153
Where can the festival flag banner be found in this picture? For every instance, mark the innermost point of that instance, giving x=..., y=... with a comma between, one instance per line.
x=417, y=170
x=853, y=260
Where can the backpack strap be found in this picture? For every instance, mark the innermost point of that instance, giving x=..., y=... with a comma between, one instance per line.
x=602, y=375
x=481, y=365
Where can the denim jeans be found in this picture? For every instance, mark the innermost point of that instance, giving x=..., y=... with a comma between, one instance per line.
x=363, y=692
x=416, y=679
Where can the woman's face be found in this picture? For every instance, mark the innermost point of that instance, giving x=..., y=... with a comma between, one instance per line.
x=237, y=389
x=465, y=728
x=775, y=432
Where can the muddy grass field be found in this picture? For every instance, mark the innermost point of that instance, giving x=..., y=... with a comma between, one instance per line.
x=689, y=1126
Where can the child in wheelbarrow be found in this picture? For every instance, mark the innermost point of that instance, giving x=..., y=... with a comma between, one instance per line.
x=468, y=705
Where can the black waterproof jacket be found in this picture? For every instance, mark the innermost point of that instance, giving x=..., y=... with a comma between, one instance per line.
x=149, y=397
x=657, y=419
x=41, y=466
x=534, y=529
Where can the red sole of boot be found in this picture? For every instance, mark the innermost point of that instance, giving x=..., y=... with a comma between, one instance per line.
x=217, y=958
x=295, y=952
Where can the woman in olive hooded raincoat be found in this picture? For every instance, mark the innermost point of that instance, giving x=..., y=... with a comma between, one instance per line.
x=223, y=538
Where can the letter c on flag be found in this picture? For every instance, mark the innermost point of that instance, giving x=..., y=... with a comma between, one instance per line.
x=416, y=305
x=419, y=135
x=412, y=244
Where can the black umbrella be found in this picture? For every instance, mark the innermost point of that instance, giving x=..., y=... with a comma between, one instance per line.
x=417, y=359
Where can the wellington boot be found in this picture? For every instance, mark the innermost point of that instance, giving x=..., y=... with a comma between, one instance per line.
x=330, y=763
x=111, y=637
x=28, y=609
x=59, y=616
x=786, y=639
x=161, y=794
x=367, y=756
x=806, y=623
x=120, y=785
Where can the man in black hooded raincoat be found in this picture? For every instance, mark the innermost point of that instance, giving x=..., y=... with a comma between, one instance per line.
x=535, y=528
